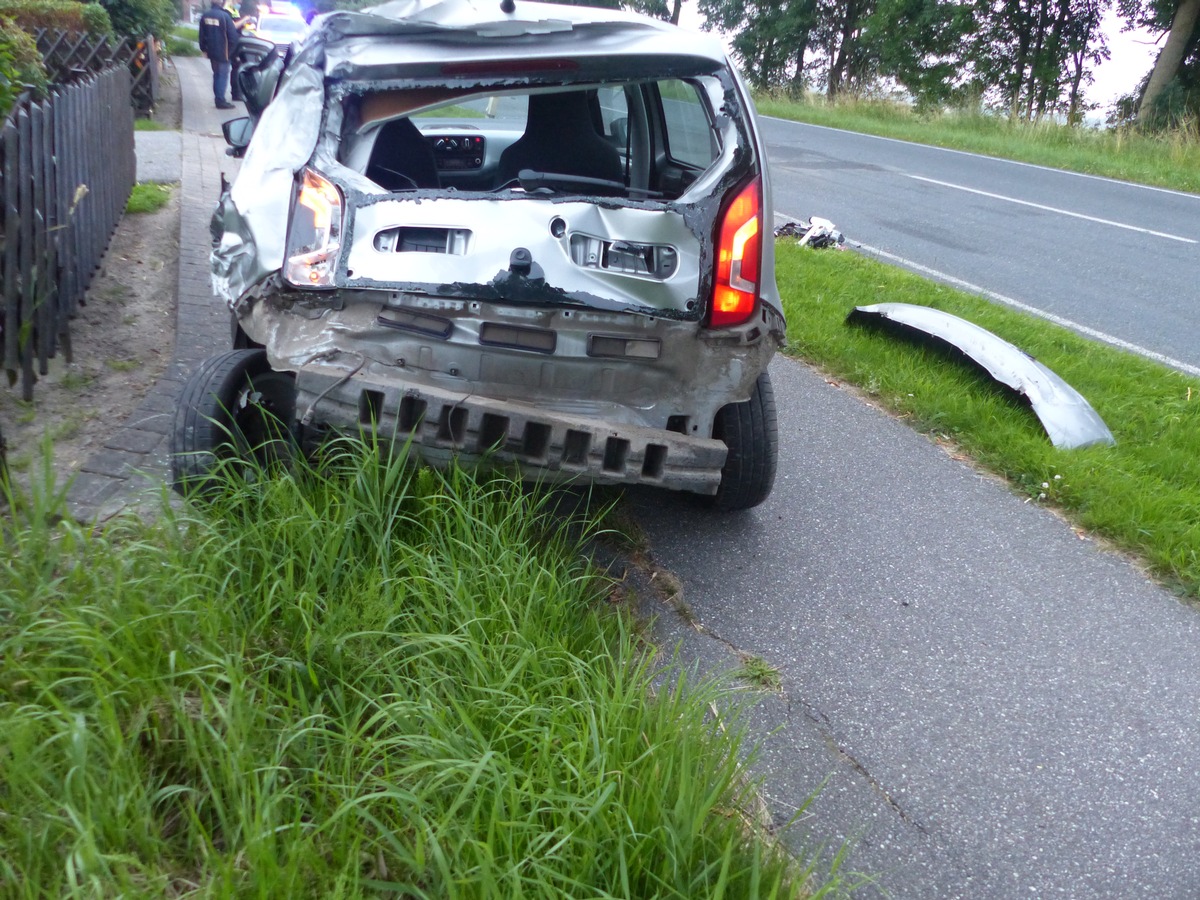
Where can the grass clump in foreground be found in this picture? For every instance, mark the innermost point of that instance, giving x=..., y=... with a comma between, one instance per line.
x=347, y=682
x=1142, y=494
x=148, y=197
x=1170, y=159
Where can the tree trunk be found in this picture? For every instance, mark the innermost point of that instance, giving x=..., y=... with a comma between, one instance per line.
x=1079, y=58
x=675, y=11
x=797, y=88
x=841, y=62
x=1166, y=67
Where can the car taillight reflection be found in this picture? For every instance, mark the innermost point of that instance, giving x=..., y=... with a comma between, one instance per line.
x=739, y=257
x=314, y=234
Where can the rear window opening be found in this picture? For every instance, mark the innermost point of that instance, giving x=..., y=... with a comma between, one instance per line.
x=647, y=140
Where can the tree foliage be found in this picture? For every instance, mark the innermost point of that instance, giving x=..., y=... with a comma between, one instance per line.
x=67, y=15
x=771, y=38
x=1031, y=57
x=919, y=43
x=1035, y=55
x=21, y=67
x=138, y=18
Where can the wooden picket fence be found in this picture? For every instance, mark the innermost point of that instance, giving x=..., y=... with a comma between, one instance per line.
x=67, y=167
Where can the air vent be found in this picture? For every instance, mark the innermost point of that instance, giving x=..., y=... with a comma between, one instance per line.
x=453, y=241
x=623, y=348
x=518, y=337
x=419, y=323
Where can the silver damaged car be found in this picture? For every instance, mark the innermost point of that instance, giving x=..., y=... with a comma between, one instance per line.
x=510, y=233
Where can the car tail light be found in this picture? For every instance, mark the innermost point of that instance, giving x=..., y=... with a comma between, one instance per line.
x=739, y=258
x=314, y=234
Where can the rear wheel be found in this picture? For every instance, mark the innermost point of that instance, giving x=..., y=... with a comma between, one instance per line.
x=751, y=433
x=235, y=406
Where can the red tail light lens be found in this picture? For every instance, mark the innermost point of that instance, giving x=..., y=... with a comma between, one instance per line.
x=739, y=258
x=314, y=234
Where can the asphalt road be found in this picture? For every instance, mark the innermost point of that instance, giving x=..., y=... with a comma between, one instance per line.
x=1117, y=258
x=994, y=705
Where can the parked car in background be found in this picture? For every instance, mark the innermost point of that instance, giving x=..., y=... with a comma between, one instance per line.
x=280, y=28
x=526, y=235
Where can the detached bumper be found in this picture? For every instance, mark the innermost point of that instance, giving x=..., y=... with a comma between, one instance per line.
x=546, y=445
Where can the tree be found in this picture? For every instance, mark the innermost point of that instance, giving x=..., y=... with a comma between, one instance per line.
x=771, y=38
x=919, y=43
x=1034, y=54
x=1181, y=20
x=837, y=33
x=138, y=18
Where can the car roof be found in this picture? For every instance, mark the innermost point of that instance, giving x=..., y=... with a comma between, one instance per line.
x=437, y=30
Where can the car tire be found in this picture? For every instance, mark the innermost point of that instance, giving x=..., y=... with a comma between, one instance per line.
x=751, y=432
x=235, y=406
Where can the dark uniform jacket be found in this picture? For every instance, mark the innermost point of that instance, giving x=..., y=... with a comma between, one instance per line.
x=218, y=34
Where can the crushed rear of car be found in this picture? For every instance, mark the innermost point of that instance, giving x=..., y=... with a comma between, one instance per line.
x=530, y=235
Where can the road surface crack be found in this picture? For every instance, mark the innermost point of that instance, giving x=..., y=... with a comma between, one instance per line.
x=670, y=589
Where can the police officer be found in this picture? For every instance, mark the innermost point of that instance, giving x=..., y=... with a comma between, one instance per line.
x=218, y=38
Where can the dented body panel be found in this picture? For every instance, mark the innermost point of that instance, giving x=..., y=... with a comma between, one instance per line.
x=659, y=272
x=383, y=242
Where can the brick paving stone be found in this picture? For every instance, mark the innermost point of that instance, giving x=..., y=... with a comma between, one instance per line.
x=113, y=463
x=90, y=490
x=134, y=463
x=134, y=440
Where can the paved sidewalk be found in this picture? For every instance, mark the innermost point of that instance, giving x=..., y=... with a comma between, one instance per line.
x=133, y=463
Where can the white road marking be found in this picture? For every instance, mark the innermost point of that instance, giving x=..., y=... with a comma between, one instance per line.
x=1053, y=209
x=1017, y=304
x=1011, y=162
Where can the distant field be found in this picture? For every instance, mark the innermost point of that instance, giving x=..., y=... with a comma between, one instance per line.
x=1170, y=160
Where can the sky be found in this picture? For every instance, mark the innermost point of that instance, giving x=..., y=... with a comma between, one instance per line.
x=1133, y=54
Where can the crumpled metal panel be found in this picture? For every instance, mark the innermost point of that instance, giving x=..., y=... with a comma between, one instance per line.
x=551, y=445
x=1068, y=418
x=497, y=227
x=484, y=20
x=252, y=219
x=694, y=375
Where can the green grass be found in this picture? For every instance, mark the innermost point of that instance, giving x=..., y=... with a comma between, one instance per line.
x=358, y=681
x=73, y=381
x=148, y=197
x=760, y=673
x=181, y=46
x=451, y=112
x=1142, y=494
x=183, y=41
x=150, y=125
x=1170, y=160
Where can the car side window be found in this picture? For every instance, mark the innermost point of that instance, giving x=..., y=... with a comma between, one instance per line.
x=689, y=133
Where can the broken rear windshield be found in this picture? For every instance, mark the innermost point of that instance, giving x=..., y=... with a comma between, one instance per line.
x=644, y=140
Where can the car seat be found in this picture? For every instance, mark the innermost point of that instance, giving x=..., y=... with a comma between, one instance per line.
x=402, y=159
x=561, y=137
